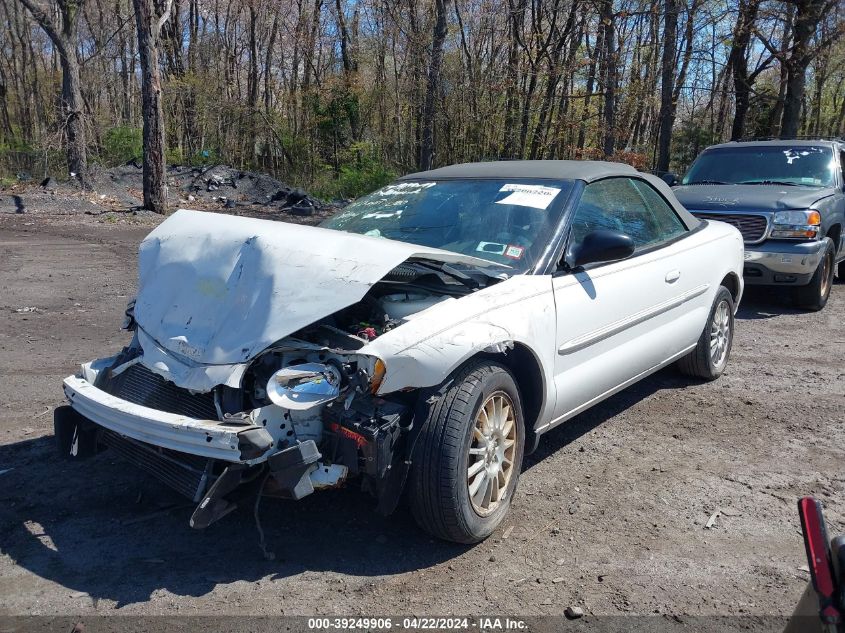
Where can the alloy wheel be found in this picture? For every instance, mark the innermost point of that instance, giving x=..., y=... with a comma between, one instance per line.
x=720, y=334
x=491, y=453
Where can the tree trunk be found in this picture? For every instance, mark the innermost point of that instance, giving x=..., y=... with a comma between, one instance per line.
x=516, y=13
x=73, y=112
x=149, y=24
x=437, y=39
x=667, y=77
x=738, y=63
x=64, y=37
x=808, y=15
x=609, y=111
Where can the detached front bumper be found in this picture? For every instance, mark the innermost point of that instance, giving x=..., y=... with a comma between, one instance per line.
x=780, y=263
x=226, y=441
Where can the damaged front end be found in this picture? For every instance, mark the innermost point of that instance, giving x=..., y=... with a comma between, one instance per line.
x=252, y=367
x=305, y=419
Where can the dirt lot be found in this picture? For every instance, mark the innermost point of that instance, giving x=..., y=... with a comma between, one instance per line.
x=610, y=515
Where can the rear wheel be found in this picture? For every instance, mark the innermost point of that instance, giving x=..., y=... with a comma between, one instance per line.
x=468, y=457
x=710, y=356
x=815, y=294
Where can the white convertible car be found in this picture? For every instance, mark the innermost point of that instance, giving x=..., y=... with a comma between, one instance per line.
x=419, y=342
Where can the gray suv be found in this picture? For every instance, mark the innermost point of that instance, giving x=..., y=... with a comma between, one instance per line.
x=787, y=198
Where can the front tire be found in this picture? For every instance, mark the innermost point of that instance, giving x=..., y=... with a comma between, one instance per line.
x=710, y=356
x=468, y=457
x=815, y=294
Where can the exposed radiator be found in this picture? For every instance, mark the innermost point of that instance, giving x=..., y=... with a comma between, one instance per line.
x=139, y=385
x=186, y=474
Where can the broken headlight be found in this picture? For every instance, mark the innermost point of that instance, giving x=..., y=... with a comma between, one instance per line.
x=304, y=386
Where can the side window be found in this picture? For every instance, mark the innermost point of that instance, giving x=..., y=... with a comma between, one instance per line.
x=842, y=167
x=663, y=216
x=628, y=206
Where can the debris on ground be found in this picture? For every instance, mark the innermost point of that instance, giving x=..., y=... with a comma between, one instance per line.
x=214, y=188
x=573, y=613
x=711, y=522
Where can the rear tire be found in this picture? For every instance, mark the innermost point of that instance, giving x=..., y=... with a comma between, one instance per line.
x=710, y=356
x=815, y=294
x=455, y=463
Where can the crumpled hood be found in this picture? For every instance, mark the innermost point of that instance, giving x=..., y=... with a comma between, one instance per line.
x=216, y=289
x=749, y=197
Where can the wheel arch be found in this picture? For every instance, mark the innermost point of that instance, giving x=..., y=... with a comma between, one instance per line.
x=834, y=232
x=732, y=282
x=527, y=372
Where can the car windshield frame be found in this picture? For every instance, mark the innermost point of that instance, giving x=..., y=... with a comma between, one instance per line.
x=711, y=167
x=525, y=240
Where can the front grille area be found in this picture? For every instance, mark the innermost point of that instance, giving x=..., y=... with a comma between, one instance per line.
x=752, y=226
x=139, y=385
x=186, y=474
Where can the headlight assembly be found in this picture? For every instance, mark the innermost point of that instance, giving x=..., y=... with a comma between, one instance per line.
x=796, y=224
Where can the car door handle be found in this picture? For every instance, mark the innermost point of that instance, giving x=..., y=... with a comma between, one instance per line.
x=672, y=276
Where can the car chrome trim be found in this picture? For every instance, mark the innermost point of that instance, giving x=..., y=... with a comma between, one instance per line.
x=612, y=329
x=614, y=390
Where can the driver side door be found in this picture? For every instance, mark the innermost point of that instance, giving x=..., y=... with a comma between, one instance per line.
x=616, y=320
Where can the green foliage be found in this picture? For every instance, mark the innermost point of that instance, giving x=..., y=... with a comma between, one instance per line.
x=122, y=144
x=687, y=142
x=205, y=157
x=361, y=171
x=174, y=156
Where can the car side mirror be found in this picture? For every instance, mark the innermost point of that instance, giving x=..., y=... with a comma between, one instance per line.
x=670, y=179
x=601, y=245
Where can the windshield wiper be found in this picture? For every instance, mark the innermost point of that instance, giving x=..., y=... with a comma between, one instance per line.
x=462, y=278
x=708, y=182
x=769, y=182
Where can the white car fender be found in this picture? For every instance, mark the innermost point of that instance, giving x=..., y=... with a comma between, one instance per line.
x=434, y=342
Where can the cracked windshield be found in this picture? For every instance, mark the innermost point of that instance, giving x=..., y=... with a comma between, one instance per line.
x=507, y=222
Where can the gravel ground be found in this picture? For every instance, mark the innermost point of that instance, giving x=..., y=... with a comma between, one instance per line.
x=610, y=515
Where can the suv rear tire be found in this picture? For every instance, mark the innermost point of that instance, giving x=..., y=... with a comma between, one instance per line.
x=815, y=294
x=463, y=477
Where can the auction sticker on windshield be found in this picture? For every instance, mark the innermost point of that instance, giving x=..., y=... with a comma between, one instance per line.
x=535, y=196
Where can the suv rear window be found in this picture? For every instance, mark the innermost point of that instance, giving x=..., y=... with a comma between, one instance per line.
x=807, y=165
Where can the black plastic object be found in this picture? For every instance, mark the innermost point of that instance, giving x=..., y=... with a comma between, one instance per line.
x=76, y=435
x=253, y=443
x=368, y=439
x=291, y=468
x=601, y=245
x=214, y=505
x=669, y=178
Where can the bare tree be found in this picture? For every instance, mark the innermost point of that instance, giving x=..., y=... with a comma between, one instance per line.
x=64, y=37
x=667, y=83
x=738, y=63
x=796, y=59
x=149, y=20
x=433, y=85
